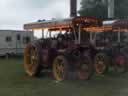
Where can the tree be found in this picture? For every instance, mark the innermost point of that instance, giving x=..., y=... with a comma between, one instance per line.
x=121, y=7
x=93, y=8
x=98, y=8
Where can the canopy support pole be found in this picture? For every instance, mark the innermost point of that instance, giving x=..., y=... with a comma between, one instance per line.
x=119, y=36
x=42, y=33
x=79, y=35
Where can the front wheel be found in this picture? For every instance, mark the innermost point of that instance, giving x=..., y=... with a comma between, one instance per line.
x=101, y=63
x=60, y=68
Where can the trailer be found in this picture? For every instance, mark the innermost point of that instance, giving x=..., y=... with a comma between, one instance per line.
x=13, y=42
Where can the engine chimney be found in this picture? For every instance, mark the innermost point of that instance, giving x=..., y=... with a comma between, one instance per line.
x=73, y=8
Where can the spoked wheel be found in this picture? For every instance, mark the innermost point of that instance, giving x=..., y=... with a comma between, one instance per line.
x=120, y=63
x=100, y=63
x=32, y=60
x=85, y=68
x=60, y=68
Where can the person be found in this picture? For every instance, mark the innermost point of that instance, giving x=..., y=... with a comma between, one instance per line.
x=60, y=38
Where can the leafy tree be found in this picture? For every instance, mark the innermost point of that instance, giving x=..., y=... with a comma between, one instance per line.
x=93, y=8
x=98, y=8
x=121, y=7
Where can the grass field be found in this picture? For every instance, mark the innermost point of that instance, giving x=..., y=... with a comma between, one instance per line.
x=14, y=82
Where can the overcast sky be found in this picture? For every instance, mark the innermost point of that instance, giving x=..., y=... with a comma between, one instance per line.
x=15, y=13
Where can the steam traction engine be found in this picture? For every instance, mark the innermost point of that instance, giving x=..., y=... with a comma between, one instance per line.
x=111, y=45
x=68, y=55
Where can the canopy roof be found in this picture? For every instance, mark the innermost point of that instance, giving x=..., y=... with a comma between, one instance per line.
x=68, y=23
x=90, y=24
x=123, y=24
x=111, y=25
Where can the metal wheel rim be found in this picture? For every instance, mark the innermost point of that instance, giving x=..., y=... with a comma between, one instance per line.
x=100, y=64
x=59, y=69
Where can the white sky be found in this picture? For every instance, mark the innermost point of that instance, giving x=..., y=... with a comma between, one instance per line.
x=15, y=13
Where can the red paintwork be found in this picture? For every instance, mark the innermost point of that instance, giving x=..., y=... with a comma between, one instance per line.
x=120, y=60
x=45, y=57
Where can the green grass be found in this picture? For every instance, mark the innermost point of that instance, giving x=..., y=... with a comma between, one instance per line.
x=14, y=82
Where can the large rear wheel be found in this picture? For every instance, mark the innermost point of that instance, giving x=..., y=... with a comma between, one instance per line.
x=32, y=59
x=85, y=68
x=101, y=63
x=60, y=68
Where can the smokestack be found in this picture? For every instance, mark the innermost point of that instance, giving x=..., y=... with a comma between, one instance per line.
x=73, y=8
x=110, y=8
